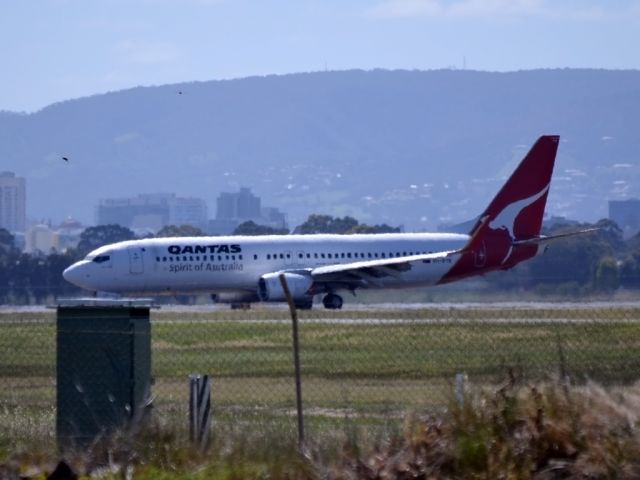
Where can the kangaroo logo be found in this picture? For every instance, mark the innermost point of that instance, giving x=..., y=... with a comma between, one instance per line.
x=506, y=219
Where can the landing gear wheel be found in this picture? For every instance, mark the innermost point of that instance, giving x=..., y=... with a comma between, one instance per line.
x=304, y=304
x=332, y=301
x=241, y=306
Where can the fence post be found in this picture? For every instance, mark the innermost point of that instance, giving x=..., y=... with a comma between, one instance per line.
x=296, y=358
x=199, y=410
x=460, y=386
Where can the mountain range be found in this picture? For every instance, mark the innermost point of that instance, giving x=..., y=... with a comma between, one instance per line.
x=412, y=148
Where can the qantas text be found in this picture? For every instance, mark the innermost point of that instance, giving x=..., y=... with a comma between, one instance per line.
x=178, y=250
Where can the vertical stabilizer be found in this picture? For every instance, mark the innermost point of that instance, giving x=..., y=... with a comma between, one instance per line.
x=519, y=206
x=498, y=239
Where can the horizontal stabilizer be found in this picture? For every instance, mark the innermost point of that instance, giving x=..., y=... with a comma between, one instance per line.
x=542, y=239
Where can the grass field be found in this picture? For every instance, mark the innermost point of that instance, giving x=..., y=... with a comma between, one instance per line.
x=357, y=363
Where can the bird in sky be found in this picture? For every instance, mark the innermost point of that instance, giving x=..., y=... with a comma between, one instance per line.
x=65, y=159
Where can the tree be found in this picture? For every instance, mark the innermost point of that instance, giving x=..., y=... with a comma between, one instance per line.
x=252, y=228
x=630, y=271
x=345, y=225
x=180, y=231
x=610, y=233
x=7, y=241
x=364, y=228
x=94, y=237
x=326, y=224
x=607, y=279
x=633, y=244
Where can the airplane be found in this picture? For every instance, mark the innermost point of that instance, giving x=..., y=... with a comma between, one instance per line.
x=244, y=269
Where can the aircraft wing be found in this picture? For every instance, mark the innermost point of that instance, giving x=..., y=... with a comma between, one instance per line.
x=367, y=272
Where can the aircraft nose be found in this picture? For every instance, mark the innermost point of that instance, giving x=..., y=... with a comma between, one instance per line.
x=74, y=274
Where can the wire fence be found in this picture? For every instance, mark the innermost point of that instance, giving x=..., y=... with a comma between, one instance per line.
x=367, y=363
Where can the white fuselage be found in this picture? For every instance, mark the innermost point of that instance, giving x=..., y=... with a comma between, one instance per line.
x=235, y=264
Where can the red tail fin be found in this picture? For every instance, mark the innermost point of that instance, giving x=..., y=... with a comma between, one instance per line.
x=514, y=215
x=519, y=205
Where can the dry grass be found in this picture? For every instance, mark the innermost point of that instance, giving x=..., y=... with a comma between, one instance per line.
x=538, y=432
x=513, y=432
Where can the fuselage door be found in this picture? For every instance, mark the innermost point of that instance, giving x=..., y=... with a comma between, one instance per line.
x=136, y=261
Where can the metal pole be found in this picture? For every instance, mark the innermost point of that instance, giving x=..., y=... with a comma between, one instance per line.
x=194, y=383
x=204, y=412
x=296, y=358
x=199, y=410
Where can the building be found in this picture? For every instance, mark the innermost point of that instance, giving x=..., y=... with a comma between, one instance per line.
x=243, y=206
x=151, y=212
x=41, y=239
x=69, y=233
x=13, y=211
x=626, y=213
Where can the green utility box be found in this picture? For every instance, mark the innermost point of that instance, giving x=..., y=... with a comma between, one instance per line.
x=103, y=368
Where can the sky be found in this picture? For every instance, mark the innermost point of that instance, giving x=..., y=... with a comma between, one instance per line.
x=54, y=50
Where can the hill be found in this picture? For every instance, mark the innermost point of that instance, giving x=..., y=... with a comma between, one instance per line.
x=401, y=147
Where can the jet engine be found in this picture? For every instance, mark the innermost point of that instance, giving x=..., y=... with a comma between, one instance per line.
x=270, y=288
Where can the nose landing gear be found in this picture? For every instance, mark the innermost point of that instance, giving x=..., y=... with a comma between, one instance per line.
x=332, y=301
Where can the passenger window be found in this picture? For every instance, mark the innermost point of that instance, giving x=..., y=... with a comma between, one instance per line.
x=233, y=257
x=349, y=255
x=157, y=259
x=328, y=255
x=219, y=258
x=281, y=255
x=315, y=255
x=164, y=259
x=268, y=256
x=255, y=257
x=369, y=254
x=322, y=255
x=239, y=257
x=226, y=257
x=308, y=255
x=197, y=258
x=300, y=255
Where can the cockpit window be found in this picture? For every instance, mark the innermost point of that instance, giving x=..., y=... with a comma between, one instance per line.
x=102, y=258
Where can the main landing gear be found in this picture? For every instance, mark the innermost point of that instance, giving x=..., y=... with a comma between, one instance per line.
x=305, y=304
x=332, y=301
